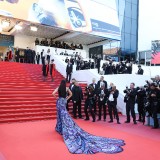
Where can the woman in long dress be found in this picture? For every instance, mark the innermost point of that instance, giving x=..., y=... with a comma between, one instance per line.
x=77, y=140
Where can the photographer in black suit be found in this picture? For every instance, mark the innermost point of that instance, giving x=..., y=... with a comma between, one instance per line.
x=141, y=94
x=154, y=96
x=102, y=99
x=140, y=70
x=129, y=99
x=101, y=81
x=89, y=102
x=69, y=70
x=112, y=103
x=95, y=86
x=77, y=97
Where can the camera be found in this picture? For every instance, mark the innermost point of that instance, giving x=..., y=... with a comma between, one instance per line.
x=110, y=89
x=102, y=95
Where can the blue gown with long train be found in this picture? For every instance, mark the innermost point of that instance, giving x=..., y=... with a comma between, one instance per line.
x=77, y=140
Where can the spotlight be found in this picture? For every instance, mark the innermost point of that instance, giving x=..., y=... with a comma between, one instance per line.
x=18, y=27
x=5, y=23
x=34, y=28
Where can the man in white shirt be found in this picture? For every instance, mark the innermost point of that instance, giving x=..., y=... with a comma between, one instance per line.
x=112, y=103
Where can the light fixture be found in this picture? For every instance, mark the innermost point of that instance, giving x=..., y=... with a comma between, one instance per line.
x=18, y=27
x=34, y=28
x=5, y=23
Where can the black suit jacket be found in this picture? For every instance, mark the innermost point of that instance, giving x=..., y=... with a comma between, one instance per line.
x=115, y=96
x=99, y=94
x=95, y=89
x=132, y=96
x=17, y=53
x=70, y=87
x=69, y=69
x=140, y=71
x=77, y=94
x=103, y=82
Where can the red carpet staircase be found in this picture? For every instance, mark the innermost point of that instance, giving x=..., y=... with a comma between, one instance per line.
x=23, y=94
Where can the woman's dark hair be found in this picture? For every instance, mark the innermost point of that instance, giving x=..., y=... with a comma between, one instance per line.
x=62, y=89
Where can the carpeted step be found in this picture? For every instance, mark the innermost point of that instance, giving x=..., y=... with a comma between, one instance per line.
x=23, y=94
x=23, y=110
x=27, y=102
x=28, y=106
x=27, y=114
x=26, y=119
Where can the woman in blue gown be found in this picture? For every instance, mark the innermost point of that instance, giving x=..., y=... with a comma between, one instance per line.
x=76, y=139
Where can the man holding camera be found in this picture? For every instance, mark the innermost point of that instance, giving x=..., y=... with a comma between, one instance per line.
x=130, y=102
x=95, y=86
x=112, y=103
x=89, y=102
x=102, y=98
x=154, y=96
x=141, y=94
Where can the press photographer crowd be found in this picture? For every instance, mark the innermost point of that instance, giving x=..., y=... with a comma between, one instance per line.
x=99, y=96
x=109, y=67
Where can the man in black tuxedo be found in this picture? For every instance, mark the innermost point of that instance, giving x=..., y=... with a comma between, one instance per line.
x=43, y=56
x=95, y=86
x=17, y=54
x=33, y=56
x=38, y=57
x=101, y=81
x=98, y=64
x=140, y=70
x=26, y=55
x=112, y=103
x=69, y=70
x=102, y=98
x=66, y=60
x=77, y=97
x=29, y=56
x=130, y=102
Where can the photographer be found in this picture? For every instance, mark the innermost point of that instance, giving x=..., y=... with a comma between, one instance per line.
x=95, y=86
x=129, y=99
x=89, y=102
x=141, y=94
x=157, y=81
x=154, y=96
x=112, y=103
x=102, y=98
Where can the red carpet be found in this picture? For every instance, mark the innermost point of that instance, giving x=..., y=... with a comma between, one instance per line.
x=39, y=141
x=25, y=97
x=23, y=94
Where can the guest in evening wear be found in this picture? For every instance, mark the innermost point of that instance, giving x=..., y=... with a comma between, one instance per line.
x=76, y=139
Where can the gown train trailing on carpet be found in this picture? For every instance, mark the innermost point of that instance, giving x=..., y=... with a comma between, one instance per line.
x=77, y=140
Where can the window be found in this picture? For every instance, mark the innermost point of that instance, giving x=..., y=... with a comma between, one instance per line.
x=121, y=7
x=134, y=11
x=127, y=25
x=133, y=43
x=128, y=11
x=134, y=27
x=127, y=41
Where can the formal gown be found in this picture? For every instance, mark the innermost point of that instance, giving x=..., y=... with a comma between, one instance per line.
x=77, y=140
